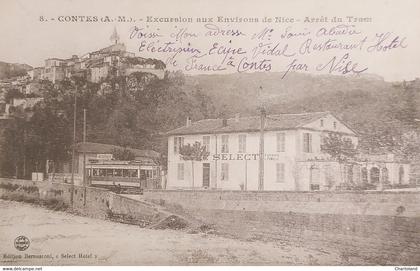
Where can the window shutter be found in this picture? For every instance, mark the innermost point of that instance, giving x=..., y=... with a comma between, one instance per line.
x=310, y=142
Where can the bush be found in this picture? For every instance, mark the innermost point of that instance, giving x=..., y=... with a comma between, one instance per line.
x=14, y=187
x=397, y=186
x=172, y=222
x=54, y=204
x=9, y=186
x=356, y=187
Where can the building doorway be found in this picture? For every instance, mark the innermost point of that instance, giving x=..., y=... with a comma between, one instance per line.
x=401, y=175
x=374, y=175
x=385, y=177
x=206, y=175
x=364, y=175
x=314, y=180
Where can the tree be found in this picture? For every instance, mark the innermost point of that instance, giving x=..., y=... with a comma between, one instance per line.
x=12, y=149
x=129, y=111
x=341, y=149
x=192, y=153
x=13, y=94
x=40, y=134
x=338, y=147
x=123, y=154
x=408, y=108
x=411, y=145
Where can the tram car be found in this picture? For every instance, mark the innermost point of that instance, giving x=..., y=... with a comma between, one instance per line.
x=123, y=176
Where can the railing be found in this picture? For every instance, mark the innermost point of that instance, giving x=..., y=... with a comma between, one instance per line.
x=113, y=181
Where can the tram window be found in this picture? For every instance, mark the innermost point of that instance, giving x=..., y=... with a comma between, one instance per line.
x=126, y=173
x=143, y=174
x=109, y=172
x=102, y=172
x=118, y=172
x=95, y=172
x=134, y=173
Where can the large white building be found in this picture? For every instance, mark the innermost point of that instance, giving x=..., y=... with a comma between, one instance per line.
x=293, y=159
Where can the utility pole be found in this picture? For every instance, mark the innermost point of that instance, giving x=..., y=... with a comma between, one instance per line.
x=246, y=175
x=261, y=154
x=24, y=152
x=215, y=162
x=73, y=147
x=84, y=154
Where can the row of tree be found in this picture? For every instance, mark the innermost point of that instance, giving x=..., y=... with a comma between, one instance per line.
x=135, y=111
x=132, y=111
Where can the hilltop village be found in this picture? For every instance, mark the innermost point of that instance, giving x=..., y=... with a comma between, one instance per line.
x=303, y=151
x=113, y=60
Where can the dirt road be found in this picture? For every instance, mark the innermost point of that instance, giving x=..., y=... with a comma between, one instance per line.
x=59, y=238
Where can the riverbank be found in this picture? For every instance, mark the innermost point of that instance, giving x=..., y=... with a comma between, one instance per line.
x=68, y=237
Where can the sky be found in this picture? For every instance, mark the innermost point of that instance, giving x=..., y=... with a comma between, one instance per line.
x=24, y=39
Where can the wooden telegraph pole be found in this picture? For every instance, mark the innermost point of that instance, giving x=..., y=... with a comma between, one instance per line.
x=73, y=147
x=263, y=116
x=261, y=154
x=84, y=154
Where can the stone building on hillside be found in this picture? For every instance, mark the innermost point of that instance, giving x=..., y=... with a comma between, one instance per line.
x=96, y=66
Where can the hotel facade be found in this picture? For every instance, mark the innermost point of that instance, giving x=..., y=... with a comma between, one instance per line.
x=293, y=158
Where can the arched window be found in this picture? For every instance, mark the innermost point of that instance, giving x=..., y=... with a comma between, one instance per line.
x=364, y=175
x=385, y=177
x=374, y=175
x=357, y=173
x=329, y=177
x=349, y=173
x=401, y=175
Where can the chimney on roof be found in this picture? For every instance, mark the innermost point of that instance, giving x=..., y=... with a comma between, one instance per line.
x=237, y=117
x=188, y=124
x=224, y=122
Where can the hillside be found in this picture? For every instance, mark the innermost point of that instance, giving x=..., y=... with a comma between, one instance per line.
x=242, y=91
x=137, y=110
x=378, y=110
x=8, y=70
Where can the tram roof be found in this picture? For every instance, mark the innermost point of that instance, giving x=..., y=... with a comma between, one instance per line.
x=100, y=148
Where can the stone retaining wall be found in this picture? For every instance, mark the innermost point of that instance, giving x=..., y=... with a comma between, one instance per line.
x=380, y=227
x=90, y=201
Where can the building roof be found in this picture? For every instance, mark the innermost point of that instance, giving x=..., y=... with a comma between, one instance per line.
x=119, y=47
x=249, y=124
x=90, y=147
x=56, y=58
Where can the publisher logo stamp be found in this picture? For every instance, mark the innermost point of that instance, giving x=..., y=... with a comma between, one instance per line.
x=22, y=243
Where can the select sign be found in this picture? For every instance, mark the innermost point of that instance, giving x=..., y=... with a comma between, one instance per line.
x=244, y=156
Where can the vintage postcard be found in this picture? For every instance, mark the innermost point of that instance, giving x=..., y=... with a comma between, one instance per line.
x=150, y=133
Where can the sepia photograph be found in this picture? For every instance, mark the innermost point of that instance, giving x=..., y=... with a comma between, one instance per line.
x=209, y=133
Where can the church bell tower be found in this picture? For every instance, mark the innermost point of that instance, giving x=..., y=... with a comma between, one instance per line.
x=115, y=37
